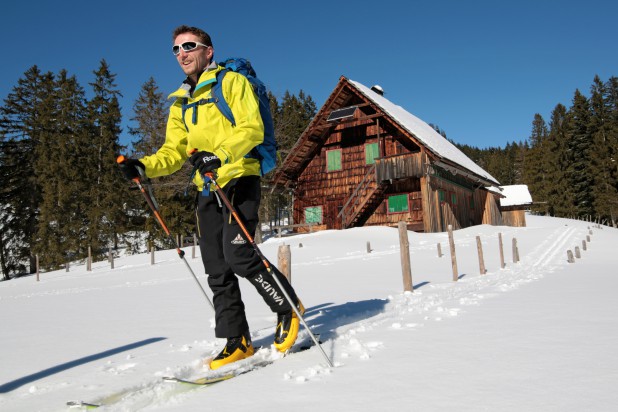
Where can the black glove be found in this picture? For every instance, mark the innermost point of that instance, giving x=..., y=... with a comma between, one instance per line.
x=206, y=162
x=129, y=168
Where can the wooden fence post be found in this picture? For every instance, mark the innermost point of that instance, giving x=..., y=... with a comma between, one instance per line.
x=89, y=264
x=285, y=261
x=66, y=265
x=451, y=242
x=588, y=238
x=584, y=245
x=479, y=247
x=110, y=257
x=36, y=258
x=515, y=251
x=193, y=247
x=439, y=250
x=368, y=247
x=404, y=248
x=501, y=247
x=570, y=257
x=152, y=253
x=577, y=254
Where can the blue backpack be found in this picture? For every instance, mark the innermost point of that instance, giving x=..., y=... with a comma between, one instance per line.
x=265, y=152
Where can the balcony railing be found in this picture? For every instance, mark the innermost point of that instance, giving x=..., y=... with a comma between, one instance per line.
x=400, y=166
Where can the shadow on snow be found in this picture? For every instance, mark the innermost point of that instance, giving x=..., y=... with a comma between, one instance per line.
x=326, y=318
x=9, y=386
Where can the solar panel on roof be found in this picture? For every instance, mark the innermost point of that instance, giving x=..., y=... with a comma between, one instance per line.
x=341, y=113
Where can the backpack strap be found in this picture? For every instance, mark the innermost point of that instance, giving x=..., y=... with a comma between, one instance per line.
x=224, y=107
x=219, y=100
x=186, y=106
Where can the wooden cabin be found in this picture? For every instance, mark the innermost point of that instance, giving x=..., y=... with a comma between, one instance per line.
x=363, y=160
x=516, y=199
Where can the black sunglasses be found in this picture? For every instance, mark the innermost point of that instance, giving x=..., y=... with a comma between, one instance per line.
x=186, y=46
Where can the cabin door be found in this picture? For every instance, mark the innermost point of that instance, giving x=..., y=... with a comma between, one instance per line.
x=333, y=207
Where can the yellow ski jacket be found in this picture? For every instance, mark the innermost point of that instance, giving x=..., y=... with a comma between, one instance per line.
x=204, y=128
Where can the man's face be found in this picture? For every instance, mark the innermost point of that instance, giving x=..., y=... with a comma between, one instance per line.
x=193, y=62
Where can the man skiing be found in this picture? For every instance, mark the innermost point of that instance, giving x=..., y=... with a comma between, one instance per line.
x=197, y=130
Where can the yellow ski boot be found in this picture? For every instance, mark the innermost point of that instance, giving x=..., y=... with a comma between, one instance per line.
x=236, y=349
x=287, y=328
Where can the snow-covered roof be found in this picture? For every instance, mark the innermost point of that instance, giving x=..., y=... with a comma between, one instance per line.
x=494, y=189
x=431, y=139
x=515, y=195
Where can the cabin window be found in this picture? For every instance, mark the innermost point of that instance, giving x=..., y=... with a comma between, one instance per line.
x=313, y=214
x=333, y=160
x=371, y=153
x=453, y=199
x=441, y=195
x=398, y=203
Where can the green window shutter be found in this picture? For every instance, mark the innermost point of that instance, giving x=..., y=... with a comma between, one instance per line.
x=313, y=214
x=371, y=152
x=398, y=203
x=453, y=199
x=441, y=195
x=333, y=160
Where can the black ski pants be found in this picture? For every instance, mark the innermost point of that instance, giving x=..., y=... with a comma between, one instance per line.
x=227, y=253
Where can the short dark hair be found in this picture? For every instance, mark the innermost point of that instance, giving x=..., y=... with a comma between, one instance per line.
x=204, y=37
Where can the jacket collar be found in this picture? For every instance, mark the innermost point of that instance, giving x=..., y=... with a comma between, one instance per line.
x=207, y=77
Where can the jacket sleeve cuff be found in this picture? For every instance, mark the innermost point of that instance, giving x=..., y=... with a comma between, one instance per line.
x=223, y=156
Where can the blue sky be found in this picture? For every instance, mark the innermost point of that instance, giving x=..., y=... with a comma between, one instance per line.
x=478, y=69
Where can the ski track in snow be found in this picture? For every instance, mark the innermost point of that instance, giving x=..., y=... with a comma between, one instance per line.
x=412, y=310
x=73, y=291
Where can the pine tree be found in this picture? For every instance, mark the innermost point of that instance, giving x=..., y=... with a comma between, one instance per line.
x=61, y=229
x=579, y=145
x=151, y=116
x=108, y=190
x=603, y=190
x=559, y=196
x=48, y=162
x=493, y=161
x=535, y=171
x=612, y=144
x=7, y=264
x=21, y=119
x=286, y=121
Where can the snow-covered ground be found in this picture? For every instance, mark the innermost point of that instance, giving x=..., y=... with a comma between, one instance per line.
x=538, y=335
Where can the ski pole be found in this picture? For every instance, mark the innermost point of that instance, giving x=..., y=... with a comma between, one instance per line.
x=266, y=263
x=153, y=206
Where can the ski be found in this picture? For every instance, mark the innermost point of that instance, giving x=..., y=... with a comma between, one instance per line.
x=240, y=369
x=227, y=372
x=205, y=381
x=82, y=405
